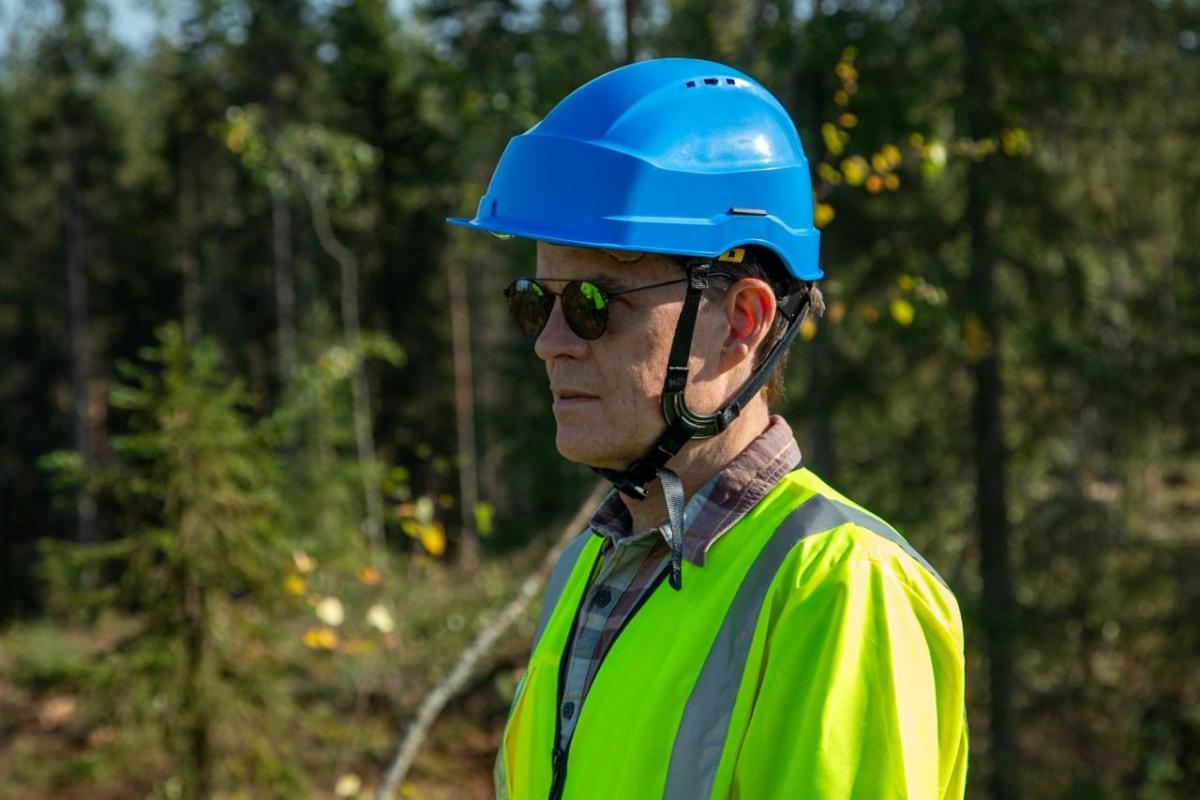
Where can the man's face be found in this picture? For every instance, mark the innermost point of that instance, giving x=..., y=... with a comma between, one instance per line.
x=607, y=391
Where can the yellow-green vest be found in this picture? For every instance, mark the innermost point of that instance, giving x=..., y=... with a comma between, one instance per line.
x=814, y=655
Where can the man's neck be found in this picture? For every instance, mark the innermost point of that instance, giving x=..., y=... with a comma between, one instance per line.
x=697, y=463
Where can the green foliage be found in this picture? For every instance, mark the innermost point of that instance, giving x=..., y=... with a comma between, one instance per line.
x=199, y=569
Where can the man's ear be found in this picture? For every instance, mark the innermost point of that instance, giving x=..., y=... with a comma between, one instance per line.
x=749, y=311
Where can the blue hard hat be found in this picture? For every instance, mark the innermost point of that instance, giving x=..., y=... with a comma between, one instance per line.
x=674, y=155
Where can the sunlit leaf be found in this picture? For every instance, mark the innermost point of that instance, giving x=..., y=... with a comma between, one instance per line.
x=902, y=311
x=330, y=611
x=348, y=785
x=379, y=618
x=833, y=142
x=855, y=169
x=823, y=214
x=484, y=517
x=829, y=174
x=303, y=561
x=423, y=509
x=294, y=585
x=433, y=538
x=320, y=638
x=369, y=576
x=808, y=329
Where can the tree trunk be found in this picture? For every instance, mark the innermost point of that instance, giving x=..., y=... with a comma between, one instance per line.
x=631, y=11
x=189, y=225
x=285, y=287
x=991, y=457
x=81, y=333
x=819, y=401
x=364, y=435
x=464, y=411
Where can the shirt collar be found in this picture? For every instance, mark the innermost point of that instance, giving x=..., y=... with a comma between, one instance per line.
x=720, y=503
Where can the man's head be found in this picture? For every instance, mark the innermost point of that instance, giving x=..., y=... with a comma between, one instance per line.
x=608, y=391
x=664, y=156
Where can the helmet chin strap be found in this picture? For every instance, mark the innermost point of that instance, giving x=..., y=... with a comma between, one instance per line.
x=682, y=423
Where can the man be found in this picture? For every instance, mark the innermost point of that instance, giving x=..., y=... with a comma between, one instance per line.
x=799, y=648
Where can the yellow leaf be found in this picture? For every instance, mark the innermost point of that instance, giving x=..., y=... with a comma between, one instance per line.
x=808, y=329
x=369, y=576
x=823, y=214
x=847, y=120
x=829, y=174
x=1015, y=141
x=916, y=139
x=879, y=163
x=905, y=282
x=833, y=142
x=891, y=154
x=433, y=538
x=903, y=312
x=874, y=184
x=294, y=584
x=891, y=181
x=320, y=638
x=855, y=169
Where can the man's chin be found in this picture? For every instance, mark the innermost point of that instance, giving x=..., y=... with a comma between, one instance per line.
x=589, y=450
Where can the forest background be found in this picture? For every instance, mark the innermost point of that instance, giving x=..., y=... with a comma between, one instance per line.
x=271, y=456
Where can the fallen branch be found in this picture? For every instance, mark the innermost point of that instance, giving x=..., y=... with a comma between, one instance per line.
x=436, y=700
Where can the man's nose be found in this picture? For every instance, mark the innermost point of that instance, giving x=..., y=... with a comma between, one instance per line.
x=557, y=340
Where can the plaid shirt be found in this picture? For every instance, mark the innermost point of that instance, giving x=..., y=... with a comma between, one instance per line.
x=632, y=565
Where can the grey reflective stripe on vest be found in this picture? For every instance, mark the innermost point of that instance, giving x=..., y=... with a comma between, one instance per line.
x=558, y=580
x=701, y=737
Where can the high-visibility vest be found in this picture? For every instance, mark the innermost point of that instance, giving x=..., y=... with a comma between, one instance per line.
x=814, y=655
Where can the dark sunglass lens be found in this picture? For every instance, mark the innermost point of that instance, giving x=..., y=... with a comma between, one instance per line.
x=529, y=304
x=586, y=309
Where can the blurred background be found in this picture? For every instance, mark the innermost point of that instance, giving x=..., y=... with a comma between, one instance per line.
x=271, y=457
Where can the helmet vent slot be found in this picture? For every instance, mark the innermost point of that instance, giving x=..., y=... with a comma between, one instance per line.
x=691, y=84
x=731, y=81
x=711, y=81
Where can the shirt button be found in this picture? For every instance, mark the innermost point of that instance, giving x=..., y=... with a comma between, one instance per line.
x=603, y=598
x=568, y=710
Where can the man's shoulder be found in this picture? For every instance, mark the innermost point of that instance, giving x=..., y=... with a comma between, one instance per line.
x=834, y=543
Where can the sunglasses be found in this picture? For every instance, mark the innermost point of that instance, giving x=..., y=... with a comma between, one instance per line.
x=584, y=304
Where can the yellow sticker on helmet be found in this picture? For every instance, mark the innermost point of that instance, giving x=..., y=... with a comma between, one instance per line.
x=735, y=255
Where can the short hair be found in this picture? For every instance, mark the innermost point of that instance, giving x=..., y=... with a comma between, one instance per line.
x=762, y=263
